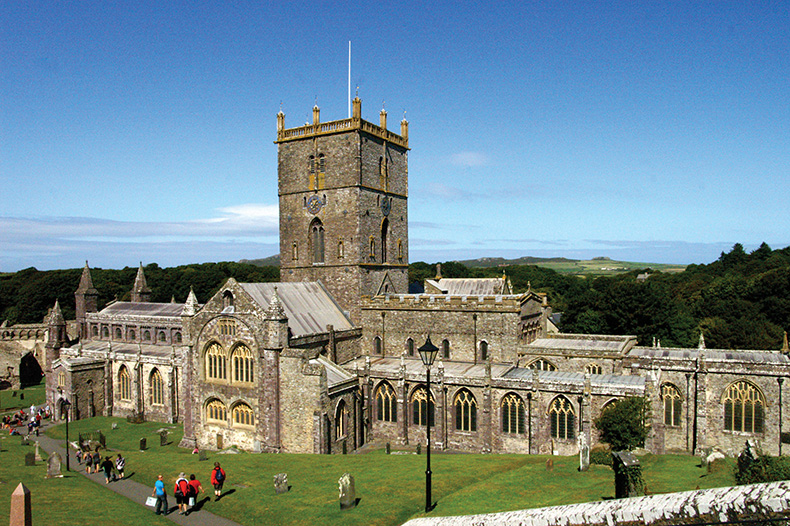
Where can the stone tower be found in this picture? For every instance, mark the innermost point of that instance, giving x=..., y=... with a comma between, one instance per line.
x=86, y=299
x=141, y=293
x=343, y=188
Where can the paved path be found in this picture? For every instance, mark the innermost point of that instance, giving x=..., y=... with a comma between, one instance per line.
x=136, y=491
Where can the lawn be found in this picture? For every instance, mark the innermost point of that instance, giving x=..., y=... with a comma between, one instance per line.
x=14, y=399
x=391, y=487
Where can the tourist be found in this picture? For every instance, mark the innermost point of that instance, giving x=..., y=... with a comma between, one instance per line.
x=120, y=464
x=217, y=479
x=79, y=456
x=96, y=460
x=88, y=461
x=106, y=466
x=181, y=492
x=161, y=496
x=195, y=488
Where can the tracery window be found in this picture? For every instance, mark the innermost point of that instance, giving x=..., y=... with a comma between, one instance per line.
x=216, y=412
x=673, y=405
x=317, y=240
x=386, y=403
x=744, y=408
x=124, y=383
x=341, y=420
x=422, y=408
x=593, y=368
x=157, y=388
x=465, y=411
x=242, y=364
x=563, y=419
x=512, y=414
x=227, y=327
x=216, y=362
x=542, y=365
x=243, y=415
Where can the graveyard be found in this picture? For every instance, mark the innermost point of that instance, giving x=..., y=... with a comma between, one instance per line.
x=389, y=488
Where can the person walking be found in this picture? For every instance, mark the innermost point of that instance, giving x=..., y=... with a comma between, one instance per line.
x=107, y=466
x=120, y=464
x=217, y=479
x=195, y=488
x=96, y=460
x=161, y=496
x=181, y=492
x=88, y=462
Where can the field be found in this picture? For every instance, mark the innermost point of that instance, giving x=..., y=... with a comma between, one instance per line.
x=605, y=267
x=391, y=487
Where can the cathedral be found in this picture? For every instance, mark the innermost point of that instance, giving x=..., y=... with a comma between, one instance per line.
x=327, y=360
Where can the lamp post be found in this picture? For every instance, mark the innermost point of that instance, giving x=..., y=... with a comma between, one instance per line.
x=428, y=355
x=66, y=406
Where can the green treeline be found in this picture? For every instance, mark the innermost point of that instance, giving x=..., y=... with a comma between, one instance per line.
x=740, y=301
x=27, y=295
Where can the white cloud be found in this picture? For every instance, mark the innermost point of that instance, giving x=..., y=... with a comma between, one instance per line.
x=469, y=159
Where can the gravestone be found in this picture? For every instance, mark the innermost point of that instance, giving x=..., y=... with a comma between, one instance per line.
x=219, y=441
x=38, y=453
x=53, y=465
x=584, y=453
x=30, y=459
x=163, y=438
x=202, y=455
x=628, y=480
x=348, y=494
x=21, y=507
x=281, y=483
x=143, y=444
x=550, y=464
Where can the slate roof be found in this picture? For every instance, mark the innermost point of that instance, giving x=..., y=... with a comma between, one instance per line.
x=127, y=308
x=334, y=375
x=308, y=305
x=126, y=348
x=712, y=355
x=581, y=342
x=469, y=286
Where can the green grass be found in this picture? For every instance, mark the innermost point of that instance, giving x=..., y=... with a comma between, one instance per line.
x=10, y=399
x=391, y=487
x=65, y=501
x=605, y=267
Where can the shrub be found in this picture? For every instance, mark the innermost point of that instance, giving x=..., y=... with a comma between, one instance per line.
x=601, y=455
x=762, y=468
x=623, y=424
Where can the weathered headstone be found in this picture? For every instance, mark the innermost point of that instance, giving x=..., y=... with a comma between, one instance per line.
x=219, y=441
x=419, y=448
x=202, y=455
x=584, y=453
x=163, y=438
x=30, y=459
x=53, y=465
x=628, y=480
x=348, y=494
x=143, y=444
x=21, y=507
x=281, y=483
x=38, y=453
x=550, y=464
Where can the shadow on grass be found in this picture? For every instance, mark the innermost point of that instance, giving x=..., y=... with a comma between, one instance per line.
x=225, y=494
x=199, y=504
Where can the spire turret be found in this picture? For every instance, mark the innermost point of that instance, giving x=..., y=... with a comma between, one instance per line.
x=86, y=299
x=191, y=305
x=140, y=292
x=701, y=344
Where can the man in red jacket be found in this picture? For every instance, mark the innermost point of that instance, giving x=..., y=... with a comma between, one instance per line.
x=217, y=479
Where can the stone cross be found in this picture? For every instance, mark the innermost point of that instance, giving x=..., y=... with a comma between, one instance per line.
x=53, y=465
x=281, y=483
x=348, y=494
x=21, y=507
x=584, y=452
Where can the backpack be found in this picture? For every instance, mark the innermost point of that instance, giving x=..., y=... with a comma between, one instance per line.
x=219, y=476
x=180, y=492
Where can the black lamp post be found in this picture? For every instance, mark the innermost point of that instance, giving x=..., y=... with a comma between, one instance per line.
x=428, y=354
x=66, y=406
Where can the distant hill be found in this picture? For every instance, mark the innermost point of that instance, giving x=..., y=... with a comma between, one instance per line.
x=500, y=262
x=271, y=261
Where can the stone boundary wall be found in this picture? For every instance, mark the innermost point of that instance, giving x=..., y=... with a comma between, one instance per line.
x=723, y=505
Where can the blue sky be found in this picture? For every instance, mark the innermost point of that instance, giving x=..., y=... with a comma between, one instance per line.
x=646, y=131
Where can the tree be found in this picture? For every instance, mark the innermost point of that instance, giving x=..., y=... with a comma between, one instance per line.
x=624, y=424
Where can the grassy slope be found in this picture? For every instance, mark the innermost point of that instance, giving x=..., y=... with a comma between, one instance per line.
x=392, y=488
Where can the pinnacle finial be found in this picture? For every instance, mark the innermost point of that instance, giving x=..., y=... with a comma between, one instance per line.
x=701, y=344
x=191, y=305
x=785, y=348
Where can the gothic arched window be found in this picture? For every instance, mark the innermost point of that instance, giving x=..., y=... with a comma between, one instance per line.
x=216, y=412
x=445, y=349
x=593, y=368
x=386, y=403
x=242, y=415
x=341, y=420
x=744, y=408
x=157, y=388
x=465, y=411
x=124, y=383
x=542, y=365
x=673, y=405
x=317, y=240
x=562, y=419
x=242, y=364
x=216, y=362
x=377, y=345
x=512, y=414
x=410, y=347
x=422, y=407
x=483, y=350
